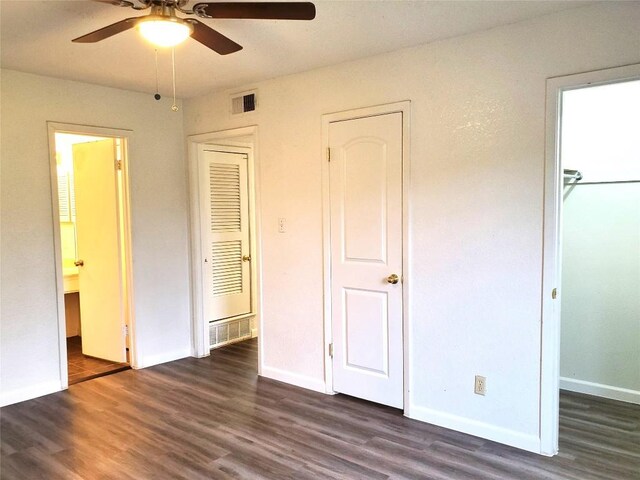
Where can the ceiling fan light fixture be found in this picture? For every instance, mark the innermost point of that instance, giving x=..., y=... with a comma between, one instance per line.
x=164, y=31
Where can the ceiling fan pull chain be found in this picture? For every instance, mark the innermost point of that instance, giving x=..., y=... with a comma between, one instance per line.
x=157, y=95
x=174, y=107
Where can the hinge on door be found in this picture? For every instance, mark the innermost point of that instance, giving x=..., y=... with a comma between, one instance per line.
x=329, y=154
x=331, y=350
x=118, y=164
x=125, y=330
x=554, y=293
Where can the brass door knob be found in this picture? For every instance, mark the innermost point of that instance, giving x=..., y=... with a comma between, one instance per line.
x=78, y=263
x=393, y=279
x=246, y=258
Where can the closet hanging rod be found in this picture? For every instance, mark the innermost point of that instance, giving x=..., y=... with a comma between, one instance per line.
x=573, y=174
x=605, y=182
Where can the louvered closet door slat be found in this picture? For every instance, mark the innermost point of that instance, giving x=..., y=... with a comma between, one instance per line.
x=226, y=258
x=225, y=234
x=225, y=198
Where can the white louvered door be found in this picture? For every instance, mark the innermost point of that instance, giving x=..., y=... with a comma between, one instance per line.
x=224, y=220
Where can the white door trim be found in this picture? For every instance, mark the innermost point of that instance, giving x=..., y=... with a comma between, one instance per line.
x=235, y=140
x=403, y=107
x=126, y=136
x=552, y=241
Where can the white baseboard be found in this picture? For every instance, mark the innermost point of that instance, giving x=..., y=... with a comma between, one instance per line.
x=512, y=438
x=254, y=332
x=310, y=383
x=151, y=360
x=600, y=390
x=27, y=393
x=193, y=353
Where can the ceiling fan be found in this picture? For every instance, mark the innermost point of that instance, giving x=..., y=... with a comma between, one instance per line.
x=164, y=28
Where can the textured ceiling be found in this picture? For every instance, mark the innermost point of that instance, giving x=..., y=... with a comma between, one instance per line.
x=36, y=37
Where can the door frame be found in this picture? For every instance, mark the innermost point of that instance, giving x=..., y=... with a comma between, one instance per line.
x=552, y=244
x=126, y=137
x=403, y=107
x=244, y=140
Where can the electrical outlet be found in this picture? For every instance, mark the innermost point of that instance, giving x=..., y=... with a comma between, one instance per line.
x=282, y=225
x=480, y=387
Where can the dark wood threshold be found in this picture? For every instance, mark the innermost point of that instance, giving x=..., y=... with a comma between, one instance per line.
x=98, y=375
x=83, y=367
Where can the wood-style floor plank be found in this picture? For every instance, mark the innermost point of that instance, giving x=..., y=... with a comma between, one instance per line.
x=213, y=418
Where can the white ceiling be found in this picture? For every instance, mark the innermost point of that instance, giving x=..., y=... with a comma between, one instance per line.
x=36, y=37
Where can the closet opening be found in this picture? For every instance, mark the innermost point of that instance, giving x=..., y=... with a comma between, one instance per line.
x=591, y=306
x=93, y=254
x=600, y=250
x=225, y=241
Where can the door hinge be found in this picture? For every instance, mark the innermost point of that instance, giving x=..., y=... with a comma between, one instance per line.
x=125, y=330
x=331, y=350
x=118, y=164
x=329, y=154
x=554, y=293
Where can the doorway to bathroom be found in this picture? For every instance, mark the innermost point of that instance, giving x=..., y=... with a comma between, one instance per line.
x=93, y=251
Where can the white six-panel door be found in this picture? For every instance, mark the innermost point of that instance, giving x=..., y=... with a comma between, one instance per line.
x=366, y=251
x=224, y=210
x=98, y=243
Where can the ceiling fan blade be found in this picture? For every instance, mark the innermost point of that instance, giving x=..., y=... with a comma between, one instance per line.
x=108, y=31
x=259, y=10
x=117, y=3
x=212, y=39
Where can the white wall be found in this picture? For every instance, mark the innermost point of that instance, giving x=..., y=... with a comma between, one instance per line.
x=476, y=194
x=600, y=350
x=29, y=329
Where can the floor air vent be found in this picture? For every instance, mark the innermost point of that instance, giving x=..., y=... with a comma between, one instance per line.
x=225, y=332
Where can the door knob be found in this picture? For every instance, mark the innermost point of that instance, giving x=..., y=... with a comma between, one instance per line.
x=78, y=263
x=393, y=279
x=246, y=258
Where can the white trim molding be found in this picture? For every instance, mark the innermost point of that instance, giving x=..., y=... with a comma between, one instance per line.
x=302, y=381
x=600, y=390
x=552, y=240
x=483, y=430
x=146, y=361
x=27, y=393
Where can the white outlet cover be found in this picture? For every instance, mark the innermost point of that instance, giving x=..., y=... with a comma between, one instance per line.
x=480, y=386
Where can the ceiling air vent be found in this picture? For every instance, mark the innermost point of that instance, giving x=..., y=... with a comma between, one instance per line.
x=243, y=103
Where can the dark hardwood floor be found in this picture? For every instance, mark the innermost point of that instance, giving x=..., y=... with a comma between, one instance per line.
x=213, y=418
x=82, y=368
